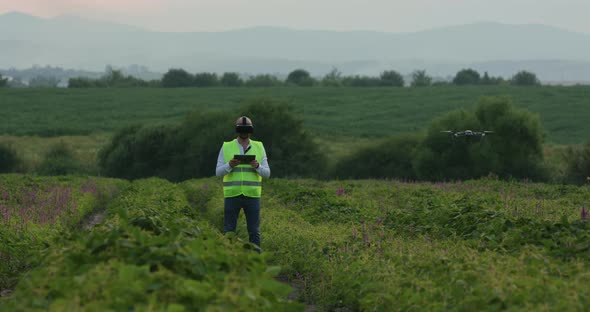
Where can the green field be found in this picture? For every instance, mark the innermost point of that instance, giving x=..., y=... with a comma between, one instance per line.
x=339, y=245
x=328, y=112
x=482, y=245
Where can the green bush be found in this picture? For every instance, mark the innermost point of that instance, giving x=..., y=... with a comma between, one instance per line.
x=525, y=78
x=290, y=148
x=421, y=79
x=467, y=77
x=190, y=150
x=206, y=80
x=392, y=78
x=513, y=150
x=263, y=81
x=59, y=160
x=3, y=81
x=9, y=160
x=300, y=77
x=392, y=158
x=177, y=78
x=231, y=80
x=136, y=152
x=578, y=164
x=361, y=81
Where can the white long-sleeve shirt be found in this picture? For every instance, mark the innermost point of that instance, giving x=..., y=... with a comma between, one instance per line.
x=224, y=168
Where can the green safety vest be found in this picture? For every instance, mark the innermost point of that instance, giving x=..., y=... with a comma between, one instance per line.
x=243, y=179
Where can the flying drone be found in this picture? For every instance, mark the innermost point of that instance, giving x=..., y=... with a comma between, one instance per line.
x=468, y=133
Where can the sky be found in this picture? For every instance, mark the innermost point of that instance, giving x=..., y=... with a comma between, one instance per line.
x=340, y=15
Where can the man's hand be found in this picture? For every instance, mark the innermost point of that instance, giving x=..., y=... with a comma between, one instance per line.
x=254, y=163
x=234, y=162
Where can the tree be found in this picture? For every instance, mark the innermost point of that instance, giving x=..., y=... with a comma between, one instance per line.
x=332, y=79
x=177, y=78
x=9, y=160
x=185, y=151
x=231, y=80
x=361, y=81
x=300, y=77
x=420, y=79
x=578, y=164
x=525, y=78
x=263, y=80
x=467, y=77
x=206, y=80
x=514, y=149
x=3, y=81
x=392, y=78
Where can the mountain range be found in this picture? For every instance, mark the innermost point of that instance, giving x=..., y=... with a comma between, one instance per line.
x=500, y=49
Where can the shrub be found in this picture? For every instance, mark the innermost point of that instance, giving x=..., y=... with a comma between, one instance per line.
x=81, y=82
x=190, y=150
x=513, y=150
x=361, y=81
x=525, y=78
x=332, y=79
x=137, y=152
x=9, y=160
x=290, y=149
x=392, y=158
x=177, y=78
x=231, y=80
x=3, y=81
x=578, y=164
x=392, y=78
x=467, y=77
x=300, y=77
x=59, y=160
x=263, y=81
x=206, y=80
x=421, y=79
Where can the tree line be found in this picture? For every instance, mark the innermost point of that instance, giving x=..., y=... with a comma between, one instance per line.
x=180, y=78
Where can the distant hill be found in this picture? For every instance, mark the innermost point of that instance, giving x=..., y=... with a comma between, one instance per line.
x=500, y=49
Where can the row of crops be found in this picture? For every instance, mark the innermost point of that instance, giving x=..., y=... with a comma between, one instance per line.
x=152, y=253
x=387, y=245
x=345, y=245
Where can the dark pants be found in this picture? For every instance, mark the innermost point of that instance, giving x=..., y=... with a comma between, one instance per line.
x=251, y=210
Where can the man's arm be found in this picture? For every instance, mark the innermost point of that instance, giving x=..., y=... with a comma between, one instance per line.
x=223, y=168
x=263, y=168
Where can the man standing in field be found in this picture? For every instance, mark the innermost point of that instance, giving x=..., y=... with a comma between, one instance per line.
x=242, y=181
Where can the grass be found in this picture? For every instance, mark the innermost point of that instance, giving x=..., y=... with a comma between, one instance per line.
x=336, y=112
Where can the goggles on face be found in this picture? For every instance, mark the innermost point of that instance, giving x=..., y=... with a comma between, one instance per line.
x=244, y=127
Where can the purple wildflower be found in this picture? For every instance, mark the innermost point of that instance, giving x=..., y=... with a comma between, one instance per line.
x=340, y=191
x=584, y=213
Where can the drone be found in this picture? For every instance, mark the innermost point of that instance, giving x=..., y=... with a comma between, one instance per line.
x=468, y=133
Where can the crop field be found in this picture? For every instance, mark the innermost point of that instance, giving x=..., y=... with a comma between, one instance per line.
x=88, y=243
x=337, y=245
x=327, y=112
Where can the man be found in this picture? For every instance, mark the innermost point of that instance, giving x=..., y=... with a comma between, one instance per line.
x=242, y=182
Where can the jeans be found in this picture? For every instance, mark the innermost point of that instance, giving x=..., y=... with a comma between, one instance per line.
x=251, y=207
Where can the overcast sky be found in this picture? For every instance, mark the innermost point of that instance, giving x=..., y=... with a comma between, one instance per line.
x=379, y=15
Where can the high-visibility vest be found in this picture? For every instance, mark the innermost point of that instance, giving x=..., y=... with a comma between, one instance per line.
x=243, y=179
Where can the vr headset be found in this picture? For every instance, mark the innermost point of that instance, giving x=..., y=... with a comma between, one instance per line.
x=244, y=127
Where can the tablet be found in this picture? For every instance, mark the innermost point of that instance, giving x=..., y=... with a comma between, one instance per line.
x=245, y=159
